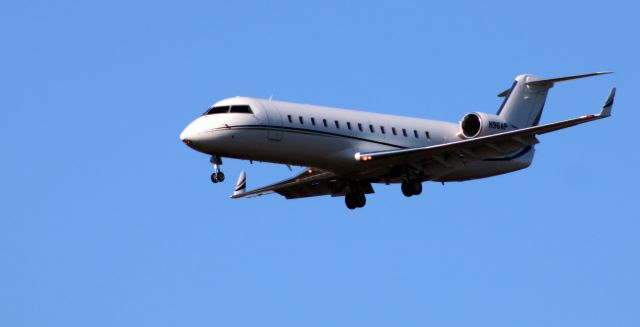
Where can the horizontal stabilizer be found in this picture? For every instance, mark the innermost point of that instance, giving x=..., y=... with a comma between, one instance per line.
x=504, y=93
x=549, y=82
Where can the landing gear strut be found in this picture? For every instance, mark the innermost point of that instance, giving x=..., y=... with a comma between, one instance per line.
x=217, y=175
x=355, y=200
x=411, y=187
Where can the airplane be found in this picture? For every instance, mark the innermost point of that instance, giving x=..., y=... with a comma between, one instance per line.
x=346, y=151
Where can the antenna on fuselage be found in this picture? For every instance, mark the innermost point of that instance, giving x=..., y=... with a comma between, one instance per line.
x=271, y=97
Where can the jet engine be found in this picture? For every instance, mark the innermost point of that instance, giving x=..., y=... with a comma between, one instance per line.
x=478, y=124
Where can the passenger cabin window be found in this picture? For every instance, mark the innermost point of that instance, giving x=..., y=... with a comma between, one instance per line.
x=427, y=135
x=313, y=121
x=360, y=127
x=371, y=129
x=324, y=122
x=415, y=133
x=382, y=130
x=404, y=132
x=217, y=110
x=348, y=125
x=337, y=124
x=301, y=119
x=393, y=130
x=240, y=110
x=290, y=119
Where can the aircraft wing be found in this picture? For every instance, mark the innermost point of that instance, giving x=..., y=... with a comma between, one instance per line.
x=481, y=147
x=311, y=182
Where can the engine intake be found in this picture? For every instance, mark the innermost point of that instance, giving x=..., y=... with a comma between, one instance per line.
x=478, y=124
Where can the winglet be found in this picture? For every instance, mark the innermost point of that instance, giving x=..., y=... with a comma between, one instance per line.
x=241, y=185
x=606, y=108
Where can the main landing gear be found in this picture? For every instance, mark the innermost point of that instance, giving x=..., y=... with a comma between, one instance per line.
x=411, y=187
x=217, y=175
x=355, y=200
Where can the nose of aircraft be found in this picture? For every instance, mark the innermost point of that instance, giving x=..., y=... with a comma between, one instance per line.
x=198, y=136
x=184, y=137
x=188, y=135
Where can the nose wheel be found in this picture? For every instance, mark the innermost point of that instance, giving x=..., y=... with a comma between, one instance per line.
x=217, y=176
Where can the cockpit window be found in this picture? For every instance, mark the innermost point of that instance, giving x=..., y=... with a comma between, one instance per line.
x=217, y=110
x=241, y=109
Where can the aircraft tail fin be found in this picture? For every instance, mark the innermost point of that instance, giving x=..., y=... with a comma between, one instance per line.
x=524, y=101
x=241, y=185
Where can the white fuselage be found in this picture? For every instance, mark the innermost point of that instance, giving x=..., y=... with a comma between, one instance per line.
x=328, y=138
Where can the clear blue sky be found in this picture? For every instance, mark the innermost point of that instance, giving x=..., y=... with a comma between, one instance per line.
x=107, y=219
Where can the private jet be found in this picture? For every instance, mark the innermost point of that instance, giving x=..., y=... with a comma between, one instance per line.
x=345, y=152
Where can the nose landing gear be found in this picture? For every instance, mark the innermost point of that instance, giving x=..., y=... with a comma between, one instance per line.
x=217, y=175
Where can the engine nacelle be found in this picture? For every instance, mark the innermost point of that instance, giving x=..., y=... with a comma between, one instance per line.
x=478, y=124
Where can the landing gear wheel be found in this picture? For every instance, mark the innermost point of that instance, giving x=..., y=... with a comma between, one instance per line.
x=360, y=200
x=349, y=200
x=355, y=200
x=407, y=189
x=417, y=187
x=411, y=188
x=217, y=175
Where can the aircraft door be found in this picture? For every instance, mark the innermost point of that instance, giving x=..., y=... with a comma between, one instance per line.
x=274, y=120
